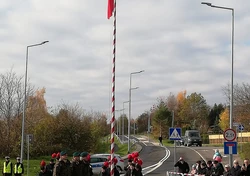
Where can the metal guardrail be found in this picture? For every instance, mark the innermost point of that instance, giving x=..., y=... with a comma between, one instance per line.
x=181, y=174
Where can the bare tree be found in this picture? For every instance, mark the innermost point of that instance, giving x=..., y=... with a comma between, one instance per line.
x=11, y=102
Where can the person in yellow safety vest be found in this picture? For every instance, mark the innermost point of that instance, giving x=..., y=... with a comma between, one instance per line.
x=18, y=167
x=7, y=167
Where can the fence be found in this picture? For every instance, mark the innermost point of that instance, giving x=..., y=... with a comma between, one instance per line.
x=219, y=139
x=181, y=174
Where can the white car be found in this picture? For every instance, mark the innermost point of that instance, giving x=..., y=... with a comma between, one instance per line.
x=120, y=161
x=96, y=163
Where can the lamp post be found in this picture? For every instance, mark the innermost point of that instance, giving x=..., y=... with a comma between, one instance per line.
x=25, y=93
x=129, y=117
x=232, y=68
x=123, y=116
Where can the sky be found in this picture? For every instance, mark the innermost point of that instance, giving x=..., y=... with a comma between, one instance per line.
x=181, y=45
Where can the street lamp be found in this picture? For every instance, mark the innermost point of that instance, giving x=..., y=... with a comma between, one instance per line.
x=129, y=117
x=25, y=93
x=232, y=66
x=123, y=120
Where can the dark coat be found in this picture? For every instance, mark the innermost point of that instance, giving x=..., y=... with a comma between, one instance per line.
x=182, y=167
x=131, y=172
x=86, y=168
x=63, y=168
x=76, y=168
x=247, y=171
x=235, y=171
x=107, y=172
x=209, y=170
x=43, y=173
x=218, y=170
x=50, y=168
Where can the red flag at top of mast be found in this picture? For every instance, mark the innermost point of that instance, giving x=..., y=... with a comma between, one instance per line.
x=111, y=6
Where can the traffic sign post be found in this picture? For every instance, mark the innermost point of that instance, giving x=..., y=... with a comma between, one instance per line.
x=241, y=127
x=229, y=135
x=230, y=148
x=174, y=133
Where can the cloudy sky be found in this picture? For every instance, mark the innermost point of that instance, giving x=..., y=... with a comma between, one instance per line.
x=181, y=45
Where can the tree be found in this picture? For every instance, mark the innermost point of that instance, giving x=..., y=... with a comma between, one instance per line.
x=241, y=102
x=142, y=122
x=162, y=119
x=194, y=113
x=11, y=104
x=224, y=119
x=214, y=117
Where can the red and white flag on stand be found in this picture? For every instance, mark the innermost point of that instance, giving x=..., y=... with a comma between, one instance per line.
x=110, y=8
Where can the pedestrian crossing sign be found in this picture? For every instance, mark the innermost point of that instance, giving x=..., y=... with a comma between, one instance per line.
x=174, y=133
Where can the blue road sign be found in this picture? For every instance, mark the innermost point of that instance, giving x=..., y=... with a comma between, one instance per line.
x=230, y=148
x=174, y=133
x=241, y=127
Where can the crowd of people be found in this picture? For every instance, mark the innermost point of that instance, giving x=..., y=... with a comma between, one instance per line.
x=59, y=165
x=214, y=167
x=133, y=168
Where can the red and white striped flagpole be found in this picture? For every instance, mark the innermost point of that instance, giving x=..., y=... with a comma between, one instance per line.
x=113, y=91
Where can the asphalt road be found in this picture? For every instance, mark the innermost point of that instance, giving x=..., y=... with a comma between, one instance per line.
x=157, y=160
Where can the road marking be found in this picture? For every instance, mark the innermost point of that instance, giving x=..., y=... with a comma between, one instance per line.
x=155, y=166
x=198, y=154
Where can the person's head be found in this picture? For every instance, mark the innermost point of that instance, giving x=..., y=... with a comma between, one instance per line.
x=246, y=162
x=236, y=163
x=227, y=167
x=42, y=168
x=137, y=167
x=18, y=159
x=215, y=163
x=203, y=165
x=132, y=166
x=63, y=155
x=52, y=161
x=76, y=156
x=216, y=151
x=130, y=161
x=198, y=162
x=209, y=163
x=193, y=166
x=84, y=156
x=7, y=158
x=181, y=160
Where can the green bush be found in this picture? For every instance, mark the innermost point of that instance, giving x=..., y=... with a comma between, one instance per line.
x=245, y=150
x=205, y=138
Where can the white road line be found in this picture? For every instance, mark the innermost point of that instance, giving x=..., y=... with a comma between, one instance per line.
x=198, y=154
x=155, y=166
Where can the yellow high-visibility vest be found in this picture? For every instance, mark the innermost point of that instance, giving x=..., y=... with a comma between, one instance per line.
x=19, y=169
x=7, y=169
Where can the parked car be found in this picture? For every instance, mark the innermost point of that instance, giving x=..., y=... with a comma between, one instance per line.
x=180, y=142
x=96, y=163
x=120, y=163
